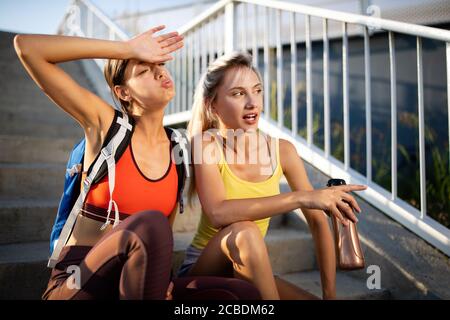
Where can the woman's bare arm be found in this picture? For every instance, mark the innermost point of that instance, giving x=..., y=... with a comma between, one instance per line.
x=222, y=212
x=41, y=53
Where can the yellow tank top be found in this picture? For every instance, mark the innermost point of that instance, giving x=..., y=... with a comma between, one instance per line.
x=237, y=188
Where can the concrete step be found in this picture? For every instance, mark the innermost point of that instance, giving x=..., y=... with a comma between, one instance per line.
x=27, y=220
x=40, y=126
x=23, y=270
x=31, y=181
x=26, y=149
x=32, y=107
x=347, y=287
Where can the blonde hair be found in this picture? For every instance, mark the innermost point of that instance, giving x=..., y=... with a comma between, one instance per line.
x=205, y=93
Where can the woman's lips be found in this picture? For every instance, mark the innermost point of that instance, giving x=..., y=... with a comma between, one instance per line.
x=251, y=118
x=167, y=84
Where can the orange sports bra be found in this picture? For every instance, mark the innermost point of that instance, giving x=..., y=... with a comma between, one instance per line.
x=133, y=192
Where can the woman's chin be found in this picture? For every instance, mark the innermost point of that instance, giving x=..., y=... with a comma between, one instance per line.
x=250, y=127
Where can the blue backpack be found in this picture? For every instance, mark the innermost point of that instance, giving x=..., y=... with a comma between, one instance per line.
x=116, y=141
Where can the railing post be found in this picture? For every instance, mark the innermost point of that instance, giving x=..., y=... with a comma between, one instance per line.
x=393, y=72
x=345, y=95
x=422, y=164
x=255, y=28
x=280, y=97
x=326, y=87
x=90, y=24
x=230, y=27
x=367, y=77
x=244, y=27
x=204, y=47
x=197, y=71
x=210, y=41
x=190, y=48
x=447, y=44
x=309, y=107
x=266, y=64
x=293, y=75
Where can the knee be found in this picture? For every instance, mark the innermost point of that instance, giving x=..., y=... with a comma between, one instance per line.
x=245, y=238
x=150, y=226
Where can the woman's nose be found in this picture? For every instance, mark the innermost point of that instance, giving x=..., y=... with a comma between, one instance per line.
x=251, y=103
x=160, y=72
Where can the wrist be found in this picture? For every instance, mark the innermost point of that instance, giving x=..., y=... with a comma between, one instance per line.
x=126, y=50
x=302, y=199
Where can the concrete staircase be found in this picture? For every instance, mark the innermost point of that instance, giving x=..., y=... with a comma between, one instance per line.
x=35, y=140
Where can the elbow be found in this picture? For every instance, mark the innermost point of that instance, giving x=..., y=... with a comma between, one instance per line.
x=20, y=45
x=215, y=219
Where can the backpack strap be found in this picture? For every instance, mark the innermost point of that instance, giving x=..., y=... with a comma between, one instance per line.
x=181, y=157
x=107, y=155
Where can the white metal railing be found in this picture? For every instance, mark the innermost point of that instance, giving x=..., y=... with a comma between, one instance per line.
x=255, y=14
x=84, y=19
x=216, y=31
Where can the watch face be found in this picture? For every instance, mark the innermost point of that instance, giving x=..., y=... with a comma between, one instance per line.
x=335, y=182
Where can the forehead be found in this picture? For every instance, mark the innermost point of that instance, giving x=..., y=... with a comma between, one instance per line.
x=239, y=77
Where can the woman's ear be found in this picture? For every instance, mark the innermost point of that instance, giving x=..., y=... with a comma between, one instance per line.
x=211, y=106
x=122, y=93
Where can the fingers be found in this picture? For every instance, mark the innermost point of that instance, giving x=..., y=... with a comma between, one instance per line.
x=335, y=211
x=347, y=210
x=170, y=41
x=166, y=36
x=156, y=29
x=352, y=187
x=351, y=201
x=173, y=47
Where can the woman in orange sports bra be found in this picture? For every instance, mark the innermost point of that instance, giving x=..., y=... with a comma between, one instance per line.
x=133, y=259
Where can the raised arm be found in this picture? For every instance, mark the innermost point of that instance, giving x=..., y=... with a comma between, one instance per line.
x=222, y=212
x=41, y=53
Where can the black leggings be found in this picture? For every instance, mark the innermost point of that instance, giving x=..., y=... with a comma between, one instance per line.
x=134, y=261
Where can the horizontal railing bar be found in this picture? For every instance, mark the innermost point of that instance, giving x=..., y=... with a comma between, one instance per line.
x=204, y=16
x=377, y=23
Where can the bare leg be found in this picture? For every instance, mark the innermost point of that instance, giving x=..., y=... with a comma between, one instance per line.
x=239, y=248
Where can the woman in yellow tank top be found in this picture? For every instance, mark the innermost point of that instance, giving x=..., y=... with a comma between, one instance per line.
x=237, y=176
